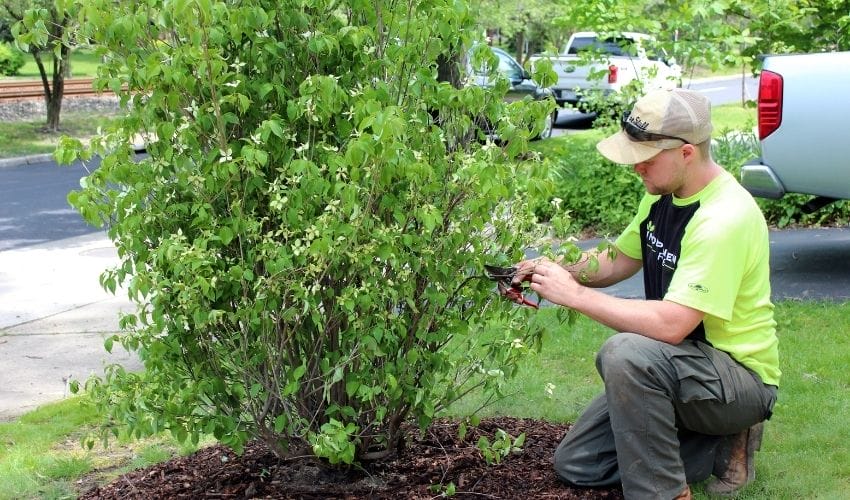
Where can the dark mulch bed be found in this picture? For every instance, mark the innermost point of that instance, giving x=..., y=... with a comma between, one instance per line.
x=435, y=458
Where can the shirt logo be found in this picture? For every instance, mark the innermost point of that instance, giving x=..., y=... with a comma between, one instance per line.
x=697, y=287
x=656, y=246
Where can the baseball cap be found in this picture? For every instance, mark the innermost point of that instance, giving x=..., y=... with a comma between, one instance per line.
x=661, y=119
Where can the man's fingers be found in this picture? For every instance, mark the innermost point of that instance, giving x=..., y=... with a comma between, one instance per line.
x=526, y=269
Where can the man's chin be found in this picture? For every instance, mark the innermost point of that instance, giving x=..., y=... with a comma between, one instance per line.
x=655, y=190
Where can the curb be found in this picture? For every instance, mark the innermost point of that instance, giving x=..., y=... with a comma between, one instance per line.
x=25, y=160
x=47, y=157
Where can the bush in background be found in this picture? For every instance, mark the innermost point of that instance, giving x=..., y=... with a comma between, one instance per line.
x=11, y=59
x=600, y=197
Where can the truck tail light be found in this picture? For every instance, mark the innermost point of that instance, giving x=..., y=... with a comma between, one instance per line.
x=612, y=73
x=769, y=103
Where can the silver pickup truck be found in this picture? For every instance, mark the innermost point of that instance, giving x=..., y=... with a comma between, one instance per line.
x=591, y=63
x=803, y=117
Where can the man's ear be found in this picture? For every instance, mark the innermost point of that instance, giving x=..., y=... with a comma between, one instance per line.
x=689, y=152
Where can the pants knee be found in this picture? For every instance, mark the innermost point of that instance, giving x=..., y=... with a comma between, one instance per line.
x=621, y=352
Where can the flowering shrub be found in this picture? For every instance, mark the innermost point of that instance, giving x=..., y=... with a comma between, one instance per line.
x=305, y=236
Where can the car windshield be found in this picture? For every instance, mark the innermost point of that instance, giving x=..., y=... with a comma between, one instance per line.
x=506, y=67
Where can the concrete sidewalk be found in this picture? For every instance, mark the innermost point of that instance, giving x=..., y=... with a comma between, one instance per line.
x=54, y=317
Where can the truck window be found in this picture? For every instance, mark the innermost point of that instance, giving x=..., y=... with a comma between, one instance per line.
x=613, y=46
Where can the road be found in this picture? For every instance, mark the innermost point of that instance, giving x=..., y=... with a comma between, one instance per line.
x=34, y=206
x=726, y=90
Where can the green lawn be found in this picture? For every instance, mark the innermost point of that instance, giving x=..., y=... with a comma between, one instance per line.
x=806, y=449
x=84, y=64
x=22, y=138
x=805, y=453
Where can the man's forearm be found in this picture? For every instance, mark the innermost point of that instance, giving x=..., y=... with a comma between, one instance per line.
x=658, y=319
x=601, y=269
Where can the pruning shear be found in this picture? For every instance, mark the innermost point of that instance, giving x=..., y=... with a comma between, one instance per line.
x=503, y=276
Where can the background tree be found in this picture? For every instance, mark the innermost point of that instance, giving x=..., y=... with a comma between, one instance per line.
x=306, y=237
x=786, y=26
x=45, y=28
x=714, y=34
x=6, y=22
x=525, y=27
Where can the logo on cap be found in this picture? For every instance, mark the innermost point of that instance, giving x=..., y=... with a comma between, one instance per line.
x=637, y=122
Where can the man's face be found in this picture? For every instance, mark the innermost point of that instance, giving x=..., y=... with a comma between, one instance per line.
x=664, y=173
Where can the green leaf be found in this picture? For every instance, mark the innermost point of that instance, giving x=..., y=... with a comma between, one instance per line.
x=225, y=234
x=280, y=423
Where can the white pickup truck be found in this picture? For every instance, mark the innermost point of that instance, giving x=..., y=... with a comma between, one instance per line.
x=802, y=125
x=590, y=63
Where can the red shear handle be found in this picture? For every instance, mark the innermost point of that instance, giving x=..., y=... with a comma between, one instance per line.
x=514, y=293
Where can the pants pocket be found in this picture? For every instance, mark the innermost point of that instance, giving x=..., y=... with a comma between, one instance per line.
x=699, y=374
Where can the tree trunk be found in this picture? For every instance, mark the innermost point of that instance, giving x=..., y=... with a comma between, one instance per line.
x=54, y=89
x=520, y=47
x=54, y=84
x=448, y=68
x=54, y=108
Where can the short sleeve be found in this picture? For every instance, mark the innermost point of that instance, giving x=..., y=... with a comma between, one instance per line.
x=629, y=240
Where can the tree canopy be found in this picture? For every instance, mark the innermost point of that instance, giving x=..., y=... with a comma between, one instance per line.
x=712, y=34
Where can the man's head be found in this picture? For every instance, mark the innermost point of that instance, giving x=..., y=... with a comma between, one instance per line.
x=662, y=119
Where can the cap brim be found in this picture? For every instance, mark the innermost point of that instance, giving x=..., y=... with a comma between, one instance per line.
x=620, y=149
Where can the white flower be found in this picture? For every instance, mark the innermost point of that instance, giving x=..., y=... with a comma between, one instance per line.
x=225, y=155
x=302, y=147
x=357, y=90
x=192, y=109
x=550, y=389
x=233, y=84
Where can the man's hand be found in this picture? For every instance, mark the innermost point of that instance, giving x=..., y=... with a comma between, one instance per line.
x=553, y=282
x=548, y=278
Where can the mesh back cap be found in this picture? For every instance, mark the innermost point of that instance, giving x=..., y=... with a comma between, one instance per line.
x=681, y=113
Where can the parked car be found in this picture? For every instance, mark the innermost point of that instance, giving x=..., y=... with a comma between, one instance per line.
x=522, y=85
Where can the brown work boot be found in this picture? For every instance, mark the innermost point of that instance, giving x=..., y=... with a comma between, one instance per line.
x=734, y=463
x=685, y=495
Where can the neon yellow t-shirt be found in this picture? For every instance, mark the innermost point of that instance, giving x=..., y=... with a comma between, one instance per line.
x=710, y=252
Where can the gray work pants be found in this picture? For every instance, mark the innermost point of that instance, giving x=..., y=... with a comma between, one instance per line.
x=664, y=410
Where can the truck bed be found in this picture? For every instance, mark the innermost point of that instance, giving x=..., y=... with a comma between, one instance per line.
x=809, y=152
